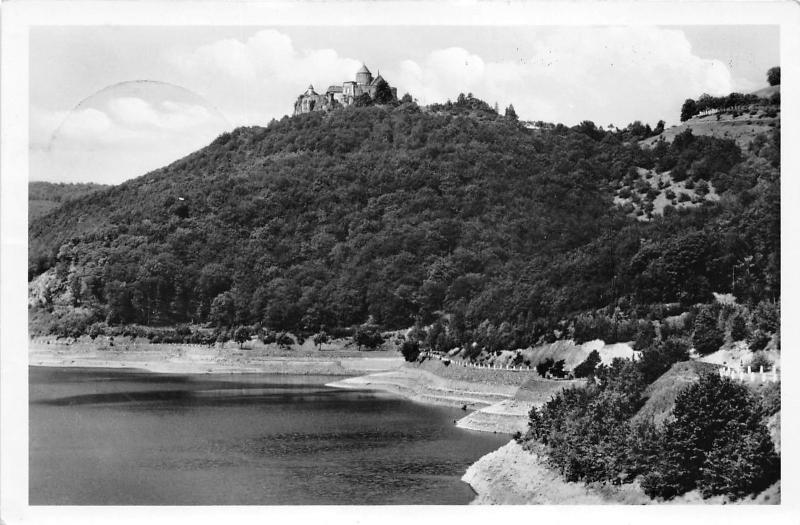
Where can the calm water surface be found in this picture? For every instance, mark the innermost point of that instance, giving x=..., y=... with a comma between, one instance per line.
x=121, y=437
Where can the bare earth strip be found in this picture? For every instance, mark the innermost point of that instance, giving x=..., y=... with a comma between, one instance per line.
x=198, y=359
x=513, y=476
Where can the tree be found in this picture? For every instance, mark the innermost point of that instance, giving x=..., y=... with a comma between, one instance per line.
x=222, y=310
x=715, y=441
x=586, y=368
x=363, y=100
x=707, y=336
x=510, y=113
x=738, y=327
x=383, y=93
x=774, y=76
x=320, y=339
x=688, y=110
x=241, y=335
x=410, y=350
x=406, y=99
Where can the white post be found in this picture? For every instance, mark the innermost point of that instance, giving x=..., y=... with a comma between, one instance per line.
x=762, y=373
x=774, y=373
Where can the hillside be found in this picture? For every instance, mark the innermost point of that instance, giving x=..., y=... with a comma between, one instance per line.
x=457, y=215
x=730, y=118
x=43, y=197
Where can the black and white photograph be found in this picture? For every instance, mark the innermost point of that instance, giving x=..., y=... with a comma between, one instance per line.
x=374, y=255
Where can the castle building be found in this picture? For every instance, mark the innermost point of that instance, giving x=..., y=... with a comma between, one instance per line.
x=343, y=95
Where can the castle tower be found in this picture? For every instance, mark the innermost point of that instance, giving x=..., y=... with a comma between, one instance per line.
x=363, y=76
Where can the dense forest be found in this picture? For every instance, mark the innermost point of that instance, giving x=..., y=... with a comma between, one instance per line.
x=451, y=214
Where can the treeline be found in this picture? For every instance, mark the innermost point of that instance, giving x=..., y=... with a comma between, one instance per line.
x=732, y=102
x=407, y=217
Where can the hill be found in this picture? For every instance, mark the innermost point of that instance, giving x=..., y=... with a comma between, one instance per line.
x=43, y=197
x=741, y=128
x=737, y=117
x=456, y=216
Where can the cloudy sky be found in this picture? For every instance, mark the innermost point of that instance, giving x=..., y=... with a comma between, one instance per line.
x=110, y=103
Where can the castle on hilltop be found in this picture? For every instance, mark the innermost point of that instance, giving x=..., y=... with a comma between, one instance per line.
x=346, y=94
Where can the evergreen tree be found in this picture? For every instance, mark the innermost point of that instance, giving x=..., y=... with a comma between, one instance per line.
x=510, y=113
x=707, y=336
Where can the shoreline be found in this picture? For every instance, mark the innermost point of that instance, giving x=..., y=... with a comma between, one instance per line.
x=197, y=359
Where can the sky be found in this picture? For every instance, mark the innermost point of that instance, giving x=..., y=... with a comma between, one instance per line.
x=109, y=103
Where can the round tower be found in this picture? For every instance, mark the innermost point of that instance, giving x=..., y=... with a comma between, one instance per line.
x=363, y=76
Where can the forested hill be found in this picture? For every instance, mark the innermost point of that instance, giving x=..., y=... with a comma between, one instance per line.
x=406, y=215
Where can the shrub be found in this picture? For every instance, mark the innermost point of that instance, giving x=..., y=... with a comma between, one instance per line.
x=368, y=336
x=543, y=367
x=759, y=360
x=284, y=340
x=758, y=340
x=660, y=357
x=410, y=350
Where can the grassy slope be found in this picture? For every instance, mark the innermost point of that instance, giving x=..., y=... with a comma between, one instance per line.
x=741, y=129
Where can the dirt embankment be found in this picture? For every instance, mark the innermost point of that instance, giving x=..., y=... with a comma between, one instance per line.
x=500, y=400
x=513, y=476
x=201, y=359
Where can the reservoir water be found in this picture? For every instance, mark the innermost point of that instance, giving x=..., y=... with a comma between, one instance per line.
x=124, y=437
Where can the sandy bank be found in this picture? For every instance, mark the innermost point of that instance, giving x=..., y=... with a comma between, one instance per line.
x=425, y=387
x=197, y=359
x=500, y=400
x=513, y=476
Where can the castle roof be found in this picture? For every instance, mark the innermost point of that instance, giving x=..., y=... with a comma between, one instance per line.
x=377, y=79
x=334, y=89
x=310, y=90
x=363, y=70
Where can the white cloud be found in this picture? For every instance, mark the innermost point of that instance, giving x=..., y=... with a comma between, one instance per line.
x=264, y=73
x=122, y=138
x=602, y=74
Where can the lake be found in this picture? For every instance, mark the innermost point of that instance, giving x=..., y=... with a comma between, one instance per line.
x=126, y=437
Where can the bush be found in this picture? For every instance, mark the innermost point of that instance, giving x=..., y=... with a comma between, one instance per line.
x=758, y=340
x=759, y=360
x=284, y=340
x=410, y=350
x=660, y=357
x=368, y=336
x=543, y=367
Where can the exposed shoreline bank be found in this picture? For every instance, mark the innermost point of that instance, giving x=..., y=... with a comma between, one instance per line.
x=199, y=359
